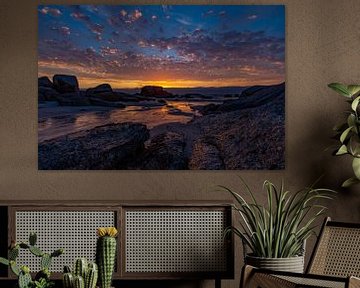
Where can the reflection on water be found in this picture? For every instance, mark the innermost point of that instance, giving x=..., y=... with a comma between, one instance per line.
x=78, y=119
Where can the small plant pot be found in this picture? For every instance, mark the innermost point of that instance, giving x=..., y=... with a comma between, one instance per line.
x=291, y=264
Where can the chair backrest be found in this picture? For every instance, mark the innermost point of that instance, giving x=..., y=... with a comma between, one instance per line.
x=337, y=251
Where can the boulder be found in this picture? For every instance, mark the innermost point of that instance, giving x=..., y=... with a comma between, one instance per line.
x=47, y=93
x=103, y=88
x=66, y=83
x=110, y=146
x=106, y=96
x=72, y=99
x=154, y=91
x=165, y=151
x=205, y=156
x=45, y=82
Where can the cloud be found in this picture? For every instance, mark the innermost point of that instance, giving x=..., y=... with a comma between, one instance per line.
x=97, y=29
x=123, y=13
x=80, y=16
x=51, y=11
x=109, y=51
x=252, y=17
x=136, y=15
x=183, y=21
x=63, y=30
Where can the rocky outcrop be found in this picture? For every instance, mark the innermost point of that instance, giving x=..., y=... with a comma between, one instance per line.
x=102, y=88
x=111, y=146
x=252, y=98
x=154, y=91
x=205, y=156
x=166, y=151
x=65, y=83
x=45, y=82
x=47, y=93
x=246, y=135
x=103, y=94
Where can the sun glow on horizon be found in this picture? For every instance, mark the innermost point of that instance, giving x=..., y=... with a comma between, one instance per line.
x=85, y=82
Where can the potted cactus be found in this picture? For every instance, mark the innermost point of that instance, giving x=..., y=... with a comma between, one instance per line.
x=84, y=275
x=106, y=254
x=42, y=278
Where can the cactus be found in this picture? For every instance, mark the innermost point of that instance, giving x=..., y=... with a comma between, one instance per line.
x=91, y=276
x=106, y=254
x=32, y=239
x=24, y=280
x=45, y=261
x=79, y=282
x=13, y=253
x=36, y=251
x=68, y=280
x=80, y=268
x=42, y=278
x=90, y=272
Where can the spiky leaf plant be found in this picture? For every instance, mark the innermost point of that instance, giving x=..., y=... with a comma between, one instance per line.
x=348, y=132
x=279, y=229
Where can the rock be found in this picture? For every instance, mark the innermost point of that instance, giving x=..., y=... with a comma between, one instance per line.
x=45, y=82
x=72, y=99
x=205, y=156
x=166, y=151
x=154, y=91
x=47, y=93
x=99, y=89
x=250, y=135
x=66, y=83
x=251, y=90
x=98, y=102
x=110, y=146
x=106, y=96
x=260, y=95
x=104, y=92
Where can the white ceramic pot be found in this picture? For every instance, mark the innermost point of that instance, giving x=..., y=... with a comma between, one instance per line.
x=291, y=264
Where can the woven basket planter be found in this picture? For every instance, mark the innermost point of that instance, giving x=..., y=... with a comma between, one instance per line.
x=291, y=264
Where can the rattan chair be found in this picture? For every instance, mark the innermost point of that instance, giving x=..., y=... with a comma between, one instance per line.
x=334, y=263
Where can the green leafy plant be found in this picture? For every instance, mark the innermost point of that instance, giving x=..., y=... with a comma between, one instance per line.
x=279, y=229
x=348, y=132
x=42, y=278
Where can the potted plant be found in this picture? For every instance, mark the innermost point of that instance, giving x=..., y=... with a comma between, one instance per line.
x=42, y=278
x=276, y=233
x=348, y=133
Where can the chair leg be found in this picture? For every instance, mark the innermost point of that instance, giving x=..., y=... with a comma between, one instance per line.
x=246, y=273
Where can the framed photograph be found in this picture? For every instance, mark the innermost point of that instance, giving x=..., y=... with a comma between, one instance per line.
x=161, y=87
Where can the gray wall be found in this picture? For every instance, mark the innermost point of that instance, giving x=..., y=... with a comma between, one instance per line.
x=322, y=46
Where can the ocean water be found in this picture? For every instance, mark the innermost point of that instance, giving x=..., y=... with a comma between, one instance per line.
x=55, y=121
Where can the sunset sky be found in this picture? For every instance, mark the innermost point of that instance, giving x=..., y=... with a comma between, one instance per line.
x=172, y=46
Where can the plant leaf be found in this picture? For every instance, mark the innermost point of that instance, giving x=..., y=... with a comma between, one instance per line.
x=345, y=134
x=340, y=88
x=356, y=167
x=342, y=150
x=349, y=182
x=355, y=103
x=353, y=89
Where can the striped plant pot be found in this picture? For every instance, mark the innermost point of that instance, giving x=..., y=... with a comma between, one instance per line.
x=291, y=264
